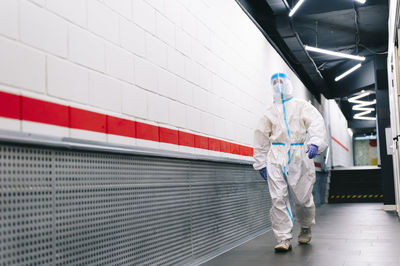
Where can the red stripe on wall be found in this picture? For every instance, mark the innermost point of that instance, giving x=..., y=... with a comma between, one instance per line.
x=87, y=120
x=185, y=139
x=44, y=112
x=201, y=142
x=120, y=127
x=340, y=144
x=247, y=151
x=225, y=146
x=214, y=144
x=29, y=109
x=169, y=136
x=235, y=148
x=10, y=105
x=147, y=132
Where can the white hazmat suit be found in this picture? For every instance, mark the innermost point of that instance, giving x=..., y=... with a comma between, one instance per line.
x=279, y=145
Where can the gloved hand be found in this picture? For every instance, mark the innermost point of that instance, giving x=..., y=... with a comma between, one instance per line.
x=312, y=151
x=263, y=173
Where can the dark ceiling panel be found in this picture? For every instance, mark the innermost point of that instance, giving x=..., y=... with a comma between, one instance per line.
x=339, y=25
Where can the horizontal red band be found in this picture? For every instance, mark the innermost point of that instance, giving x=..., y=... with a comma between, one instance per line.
x=340, y=144
x=10, y=105
x=235, y=148
x=169, y=135
x=35, y=110
x=225, y=146
x=44, y=112
x=121, y=127
x=147, y=132
x=185, y=139
x=317, y=164
x=87, y=120
x=201, y=142
x=214, y=144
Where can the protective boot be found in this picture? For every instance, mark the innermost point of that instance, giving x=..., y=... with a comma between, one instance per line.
x=305, y=236
x=283, y=246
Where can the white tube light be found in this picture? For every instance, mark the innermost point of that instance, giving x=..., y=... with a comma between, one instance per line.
x=350, y=132
x=355, y=98
x=291, y=13
x=351, y=70
x=361, y=1
x=361, y=106
x=361, y=116
x=324, y=51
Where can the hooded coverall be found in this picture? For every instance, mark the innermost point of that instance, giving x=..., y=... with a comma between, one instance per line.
x=279, y=145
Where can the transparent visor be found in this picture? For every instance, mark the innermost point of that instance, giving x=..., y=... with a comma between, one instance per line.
x=281, y=85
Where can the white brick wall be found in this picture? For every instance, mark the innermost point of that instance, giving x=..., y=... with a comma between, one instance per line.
x=119, y=63
x=67, y=80
x=144, y=15
x=72, y=10
x=9, y=18
x=134, y=101
x=145, y=74
x=22, y=66
x=122, y=7
x=105, y=92
x=132, y=37
x=199, y=65
x=102, y=20
x=42, y=29
x=86, y=49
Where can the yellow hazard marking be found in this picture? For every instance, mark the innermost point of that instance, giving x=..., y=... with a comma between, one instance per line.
x=356, y=196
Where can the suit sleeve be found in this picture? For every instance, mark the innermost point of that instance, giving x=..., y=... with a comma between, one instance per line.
x=315, y=127
x=261, y=143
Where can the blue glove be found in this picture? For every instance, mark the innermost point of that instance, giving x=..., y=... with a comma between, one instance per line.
x=312, y=151
x=263, y=173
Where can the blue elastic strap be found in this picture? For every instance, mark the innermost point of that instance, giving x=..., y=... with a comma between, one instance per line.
x=297, y=144
x=287, y=209
x=285, y=173
x=278, y=143
x=284, y=115
x=288, y=99
x=289, y=156
x=281, y=75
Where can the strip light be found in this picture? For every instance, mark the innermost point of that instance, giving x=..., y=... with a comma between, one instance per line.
x=291, y=13
x=351, y=70
x=361, y=1
x=361, y=106
x=324, y=51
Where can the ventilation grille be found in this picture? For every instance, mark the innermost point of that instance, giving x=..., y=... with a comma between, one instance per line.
x=63, y=207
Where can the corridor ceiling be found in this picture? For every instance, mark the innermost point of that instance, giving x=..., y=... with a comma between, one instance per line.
x=340, y=25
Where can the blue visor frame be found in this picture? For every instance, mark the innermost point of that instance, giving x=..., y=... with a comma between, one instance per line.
x=280, y=75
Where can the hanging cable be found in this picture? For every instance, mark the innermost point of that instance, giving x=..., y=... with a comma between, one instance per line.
x=357, y=35
x=316, y=33
x=371, y=51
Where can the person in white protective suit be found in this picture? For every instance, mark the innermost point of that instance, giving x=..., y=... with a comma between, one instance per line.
x=284, y=159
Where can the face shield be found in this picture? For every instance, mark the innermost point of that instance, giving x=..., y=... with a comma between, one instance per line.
x=281, y=85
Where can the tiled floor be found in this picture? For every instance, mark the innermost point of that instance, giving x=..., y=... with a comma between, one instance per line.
x=357, y=234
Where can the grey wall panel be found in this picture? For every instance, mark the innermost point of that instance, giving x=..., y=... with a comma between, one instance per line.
x=68, y=207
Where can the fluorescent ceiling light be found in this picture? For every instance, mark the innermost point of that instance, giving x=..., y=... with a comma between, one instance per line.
x=354, y=68
x=361, y=1
x=355, y=98
x=361, y=106
x=365, y=138
x=350, y=132
x=360, y=116
x=324, y=51
x=291, y=13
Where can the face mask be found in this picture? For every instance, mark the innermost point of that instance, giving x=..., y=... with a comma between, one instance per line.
x=278, y=88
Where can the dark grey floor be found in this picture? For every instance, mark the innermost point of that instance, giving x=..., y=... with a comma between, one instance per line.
x=358, y=234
